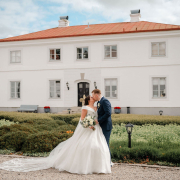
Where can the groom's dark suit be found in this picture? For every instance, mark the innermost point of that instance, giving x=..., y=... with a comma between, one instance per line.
x=104, y=117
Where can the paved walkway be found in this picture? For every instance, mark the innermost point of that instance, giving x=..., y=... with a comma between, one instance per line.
x=120, y=171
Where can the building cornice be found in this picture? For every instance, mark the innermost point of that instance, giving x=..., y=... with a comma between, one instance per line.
x=97, y=67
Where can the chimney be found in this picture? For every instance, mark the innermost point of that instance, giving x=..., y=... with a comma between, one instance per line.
x=135, y=15
x=63, y=22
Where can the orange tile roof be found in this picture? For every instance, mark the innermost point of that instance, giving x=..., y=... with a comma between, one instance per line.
x=95, y=29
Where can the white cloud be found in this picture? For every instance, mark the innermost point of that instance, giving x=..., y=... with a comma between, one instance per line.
x=21, y=17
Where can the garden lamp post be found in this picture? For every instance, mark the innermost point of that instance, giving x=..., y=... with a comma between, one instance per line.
x=160, y=112
x=69, y=110
x=129, y=128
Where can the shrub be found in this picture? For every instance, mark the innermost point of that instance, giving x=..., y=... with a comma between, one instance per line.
x=75, y=121
x=4, y=122
x=157, y=142
x=13, y=140
x=144, y=119
x=44, y=141
x=16, y=127
x=23, y=117
x=67, y=118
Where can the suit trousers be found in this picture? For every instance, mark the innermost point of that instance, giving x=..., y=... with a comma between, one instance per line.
x=107, y=134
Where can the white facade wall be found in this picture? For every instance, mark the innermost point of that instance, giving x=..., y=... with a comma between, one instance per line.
x=134, y=69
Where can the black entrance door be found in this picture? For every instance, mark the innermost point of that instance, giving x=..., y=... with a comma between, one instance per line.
x=83, y=89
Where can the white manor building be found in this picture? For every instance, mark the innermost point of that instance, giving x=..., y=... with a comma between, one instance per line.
x=135, y=64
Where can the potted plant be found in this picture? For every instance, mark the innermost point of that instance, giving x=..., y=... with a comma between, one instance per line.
x=46, y=109
x=117, y=110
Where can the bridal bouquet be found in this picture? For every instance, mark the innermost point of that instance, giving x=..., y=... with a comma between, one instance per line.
x=88, y=121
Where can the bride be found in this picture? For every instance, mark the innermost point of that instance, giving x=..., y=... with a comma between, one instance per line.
x=86, y=152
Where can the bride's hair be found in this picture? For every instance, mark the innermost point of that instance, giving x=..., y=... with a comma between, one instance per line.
x=87, y=99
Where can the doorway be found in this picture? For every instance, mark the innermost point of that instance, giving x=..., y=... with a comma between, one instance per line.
x=83, y=89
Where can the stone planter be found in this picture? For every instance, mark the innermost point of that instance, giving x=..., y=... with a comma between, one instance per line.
x=117, y=111
x=46, y=110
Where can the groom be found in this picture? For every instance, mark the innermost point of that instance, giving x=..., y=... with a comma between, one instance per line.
x=104, y=114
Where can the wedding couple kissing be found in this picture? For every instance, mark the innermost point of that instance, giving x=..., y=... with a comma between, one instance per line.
x=86, y=152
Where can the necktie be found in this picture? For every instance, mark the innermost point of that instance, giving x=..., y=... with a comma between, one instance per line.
x=97, y=104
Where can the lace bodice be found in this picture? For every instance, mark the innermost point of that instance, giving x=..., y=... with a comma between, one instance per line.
x=90, y=111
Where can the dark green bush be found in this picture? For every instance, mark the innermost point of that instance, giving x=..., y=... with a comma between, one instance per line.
x=171, y=155
x=44, y=141
x=75, y=121
x=144, y=119
x=120, y=151
x=13, y=140
x=66, y=118
x=23, y=117
x=17, y=127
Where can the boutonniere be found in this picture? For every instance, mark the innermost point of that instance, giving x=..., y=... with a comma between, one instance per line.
x=98, y=105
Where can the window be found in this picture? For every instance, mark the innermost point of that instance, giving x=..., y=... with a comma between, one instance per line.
x=159, y=87
x=55, y=89
x=55, y=54
x=15, y=56
x=111, y=88
x=158, y=49
x=15, y=89
x=110, y=51
x=82, y=53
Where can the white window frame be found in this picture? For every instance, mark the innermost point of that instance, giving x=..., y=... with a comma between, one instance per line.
x=111, y=88
x=159, y=97
x=15, y=89
x=21, y=57
x=55, y=88
x=55, y=60
x=86, y=59
x=111, y=52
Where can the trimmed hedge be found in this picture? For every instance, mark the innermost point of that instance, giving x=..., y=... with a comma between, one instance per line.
x=66, y=118
x=135, y=119
x=13, y=140
x=35, y=132
x=139, y=119
x=40, y=142
x=144, y=119
x=36, y=117
x=143, y=151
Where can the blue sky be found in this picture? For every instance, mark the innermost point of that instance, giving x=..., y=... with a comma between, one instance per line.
x=25, y=16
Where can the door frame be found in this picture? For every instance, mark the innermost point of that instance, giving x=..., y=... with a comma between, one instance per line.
x=83, y=93
x=76, y=89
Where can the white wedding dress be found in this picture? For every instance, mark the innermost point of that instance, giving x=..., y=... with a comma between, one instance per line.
x=86, y=152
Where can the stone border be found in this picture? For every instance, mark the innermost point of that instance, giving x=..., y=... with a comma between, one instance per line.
x=126, y=164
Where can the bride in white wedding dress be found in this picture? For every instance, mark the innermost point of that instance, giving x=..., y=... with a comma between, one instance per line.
x=86, y=152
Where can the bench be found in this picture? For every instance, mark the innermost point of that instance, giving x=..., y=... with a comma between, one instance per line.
x=28, y=108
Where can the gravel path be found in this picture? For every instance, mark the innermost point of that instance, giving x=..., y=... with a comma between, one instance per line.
x=119, y=171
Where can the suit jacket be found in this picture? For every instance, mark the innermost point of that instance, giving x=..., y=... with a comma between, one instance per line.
x=104, y=114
